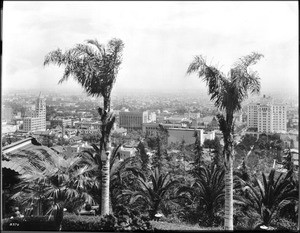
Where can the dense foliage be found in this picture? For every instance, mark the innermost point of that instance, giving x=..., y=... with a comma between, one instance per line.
x=122, y=220
x=267, y=198
x=206, y=194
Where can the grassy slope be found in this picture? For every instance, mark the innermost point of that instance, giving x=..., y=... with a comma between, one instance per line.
x=180, y=227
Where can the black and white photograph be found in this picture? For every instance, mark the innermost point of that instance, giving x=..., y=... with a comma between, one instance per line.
x=153, y=116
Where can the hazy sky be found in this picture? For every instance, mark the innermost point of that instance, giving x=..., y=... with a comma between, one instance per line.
x=161, y=39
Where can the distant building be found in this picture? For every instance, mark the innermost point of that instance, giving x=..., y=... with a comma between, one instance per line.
x=60, y=122
x=78, y=146
x=126, y=152
x=290, y=140
x=89, y=125
x=210, y=121
x=133, y=120
x=7, y=129
x=192, y=115
x=188, y=135
x=37, y=121
x=150, y=129
x=238, y=117
x=7, y=114
x=121, y=131
x=267, y=117
x=151, y=117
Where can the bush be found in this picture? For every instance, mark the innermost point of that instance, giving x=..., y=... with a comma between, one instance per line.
x=283, y=224
x=36, y=223
x=242, y=221
x=216, y=221
x=123, y=220
x=88, y=223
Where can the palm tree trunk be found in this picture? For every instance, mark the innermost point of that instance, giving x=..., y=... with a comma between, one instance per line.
x=228, y=193
x=105, y=188
x=299, y=192
x=106, y=149
x=58, y=218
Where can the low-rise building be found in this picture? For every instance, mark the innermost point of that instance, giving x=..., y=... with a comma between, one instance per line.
x=188, y=135
x=90, y=125
x=61, y=122
x=126, y=151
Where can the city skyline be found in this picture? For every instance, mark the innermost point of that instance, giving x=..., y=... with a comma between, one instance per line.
x=161, y=39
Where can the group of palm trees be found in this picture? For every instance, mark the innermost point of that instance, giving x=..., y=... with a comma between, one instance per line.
x=95, y=67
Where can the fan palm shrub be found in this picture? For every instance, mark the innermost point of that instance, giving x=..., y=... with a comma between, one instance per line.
x=55, y=180
x=206, y=191
x=152, y=192
x=268, y=197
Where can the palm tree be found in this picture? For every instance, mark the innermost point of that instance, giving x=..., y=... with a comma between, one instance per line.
x=117, y=171
x=207, y=190
x=268, y=196
x=152, y=192
x=55, y=179
x=228, y=93
x=95, y=67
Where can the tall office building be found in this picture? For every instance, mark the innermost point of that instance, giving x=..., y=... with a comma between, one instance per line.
x=267, y=117
x=37, y=121
x=133, y=120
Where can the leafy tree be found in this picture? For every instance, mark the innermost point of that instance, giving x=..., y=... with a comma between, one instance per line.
x=160, y=146
x=95, y=67
x=228, y=93
x=198, y=150
x=50, y=112
x=144, y=158
x=91, y=138
x=268, y=197
x=247, y=141
x=288, y=163
x=207, y=191
x=48, y=140
x=243, y=171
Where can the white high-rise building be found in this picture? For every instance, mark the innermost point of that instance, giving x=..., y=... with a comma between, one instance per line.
x=267, y=117
x=37, y=121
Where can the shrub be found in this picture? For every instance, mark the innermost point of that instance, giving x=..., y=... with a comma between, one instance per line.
x=245, y=220
x=36, y=223
x=123, y=220
x=88, y=223
x=216, y=221
x=283, y=224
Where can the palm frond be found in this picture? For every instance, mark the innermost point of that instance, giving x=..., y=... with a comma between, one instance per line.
x=94, y=70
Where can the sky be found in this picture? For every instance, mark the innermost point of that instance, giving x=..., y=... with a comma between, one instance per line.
x=161, y=40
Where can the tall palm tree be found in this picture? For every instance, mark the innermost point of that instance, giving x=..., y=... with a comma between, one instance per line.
x=52, y=178
x=152, y=191
x=268, y=196
x=95, y=67
x=228, y=93
x=207, y=190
